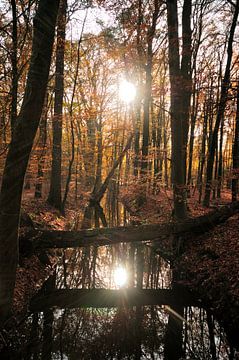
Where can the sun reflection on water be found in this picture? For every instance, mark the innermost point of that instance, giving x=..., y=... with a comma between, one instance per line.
x=120, y=276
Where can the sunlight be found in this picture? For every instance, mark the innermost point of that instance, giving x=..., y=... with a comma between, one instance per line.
x=120, y=276
x=127, y=91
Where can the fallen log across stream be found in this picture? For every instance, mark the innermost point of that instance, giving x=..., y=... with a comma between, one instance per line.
x=109, y=236
x=100, y=298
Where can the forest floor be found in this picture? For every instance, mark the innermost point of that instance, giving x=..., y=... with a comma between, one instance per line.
x=210, y=263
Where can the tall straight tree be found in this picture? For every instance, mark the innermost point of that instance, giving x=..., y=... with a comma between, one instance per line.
x=54, y=197
x=20, y=149
x=148, y=85
x=235, y=152
x=221, y=108
x=14, y=65
x=180, y=83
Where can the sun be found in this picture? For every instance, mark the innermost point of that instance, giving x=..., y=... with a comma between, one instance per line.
x=120, y=276
x=127, y=91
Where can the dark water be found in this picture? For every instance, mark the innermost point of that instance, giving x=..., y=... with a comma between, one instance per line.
x=136, y=332
x=116, y=334
x=123, y=332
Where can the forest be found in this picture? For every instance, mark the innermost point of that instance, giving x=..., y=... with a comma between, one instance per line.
x=119, y=168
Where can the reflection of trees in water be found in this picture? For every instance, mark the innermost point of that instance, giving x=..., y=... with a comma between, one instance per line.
x=110, y=334
x=119, y=333
x=114, y=334
x=93, y=267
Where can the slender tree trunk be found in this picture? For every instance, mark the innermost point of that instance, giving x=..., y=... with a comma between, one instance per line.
x=98, y=194
x=211, y=336
x=54, y=197
x=98, y=176
x=235, y=158
x=20, y=149
x=14, y=61
x=165, y=145
x=202, y=154
x=221, y=109
x=48, y=318
x=191, y=142
x=214, y=185
x=148, y=88
x=42, y=149
x=89, y=153
x=220, y=162
x=137, y=137
x=68, y=180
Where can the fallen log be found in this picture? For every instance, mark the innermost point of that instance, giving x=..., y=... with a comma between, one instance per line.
x=153, y=232
x=100, y=298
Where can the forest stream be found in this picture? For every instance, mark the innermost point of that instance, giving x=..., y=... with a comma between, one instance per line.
x=124, y=323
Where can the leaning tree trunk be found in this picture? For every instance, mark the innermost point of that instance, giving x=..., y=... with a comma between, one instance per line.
x=20, y=149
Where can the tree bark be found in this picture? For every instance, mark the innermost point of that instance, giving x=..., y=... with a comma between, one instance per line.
x=154, y=232
x=180, y=77
x=221, y=109
x=14, y=85
x=54, y=197
x=235, y=159
x=148, y=89
x=20, y=149
x=42, y=149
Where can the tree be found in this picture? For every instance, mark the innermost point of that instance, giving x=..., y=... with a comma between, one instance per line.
x=54, y=197
x=20, y=149
x=221, y=108
x=148, y=85
x=14, y=65
x=180, y=82
x=235, y=164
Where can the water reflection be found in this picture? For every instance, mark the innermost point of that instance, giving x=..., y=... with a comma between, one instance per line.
x=124, y=332
x=135, y=332
x=119, y=333
x=94, y=267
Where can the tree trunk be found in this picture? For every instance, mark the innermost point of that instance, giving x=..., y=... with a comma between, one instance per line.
x=72, y=158
x=48, y=319
x=203, y=153
x=148, y=89
x=235, y=159
x=191, y=142
x=98, y=194
x=20, y=149
x=220, y=162
x=14, y=85
x=180, y=99
x=221, y=109
x=42, y=150
x=153, y=232
x=54, y=197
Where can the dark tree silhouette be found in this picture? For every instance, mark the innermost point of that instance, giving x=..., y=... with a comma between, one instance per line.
x=20, y=149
